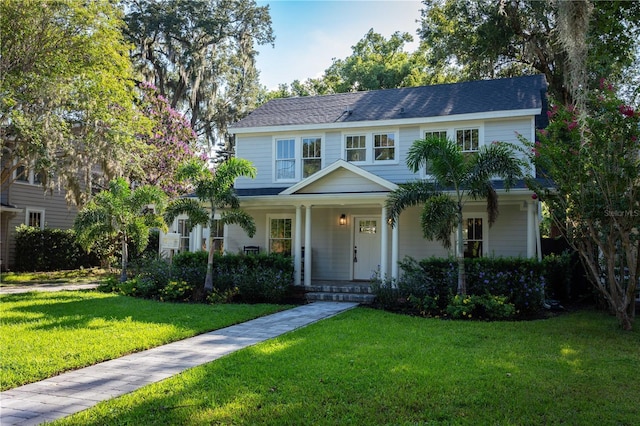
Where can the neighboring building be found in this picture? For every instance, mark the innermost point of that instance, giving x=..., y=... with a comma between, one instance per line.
x=24, y=201
x=325, y=165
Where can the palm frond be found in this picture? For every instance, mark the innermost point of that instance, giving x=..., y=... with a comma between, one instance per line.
x=409, y=194
x=497, y=160
x=439, y=218
x=197, y=214
x=240, y=218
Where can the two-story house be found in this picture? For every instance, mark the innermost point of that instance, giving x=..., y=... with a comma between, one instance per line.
x=325, y=165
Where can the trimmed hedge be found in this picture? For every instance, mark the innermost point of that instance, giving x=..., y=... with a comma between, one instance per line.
x=49, y=250
x=428, y=286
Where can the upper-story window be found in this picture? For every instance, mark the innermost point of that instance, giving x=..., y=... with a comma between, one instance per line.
x=440, y=134
x=285, y=159
x=296, y=158
x=24, y=175
x=468, y=139
x=311, y=156
x=356, y=148
x=371, y=147
x=384, y=146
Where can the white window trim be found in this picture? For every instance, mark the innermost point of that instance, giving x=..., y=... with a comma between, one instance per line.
x=485, y=229
x=451, y=135
x=298, y=155
x=29, y=210
x=31, y=177
x=370, y=149
x=268, y=229
x=480, y=137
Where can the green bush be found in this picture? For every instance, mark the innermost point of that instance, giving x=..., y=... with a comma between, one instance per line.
x=49, y=250
x=177, y=291
x=480, y=307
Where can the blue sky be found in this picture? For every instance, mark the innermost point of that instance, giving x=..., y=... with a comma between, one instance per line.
x=309, y=34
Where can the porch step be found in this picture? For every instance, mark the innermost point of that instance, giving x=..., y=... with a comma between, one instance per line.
x=348, y=292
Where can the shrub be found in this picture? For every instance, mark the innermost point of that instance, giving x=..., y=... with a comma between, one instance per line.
x=177, y=291
x=480, y=307
x=49, y=250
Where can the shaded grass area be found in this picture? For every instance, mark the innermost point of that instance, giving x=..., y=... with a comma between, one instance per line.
x=75, y=276
x=369, y=367
x=44, y=334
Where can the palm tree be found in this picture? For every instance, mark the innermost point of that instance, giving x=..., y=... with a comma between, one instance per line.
x=215, y=188
x=121, y=215
x=456, y=176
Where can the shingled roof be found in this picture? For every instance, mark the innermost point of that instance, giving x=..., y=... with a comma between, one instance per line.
x=509, y=94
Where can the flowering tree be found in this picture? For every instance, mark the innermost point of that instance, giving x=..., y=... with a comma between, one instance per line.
x=169, y=142
x=591, y=159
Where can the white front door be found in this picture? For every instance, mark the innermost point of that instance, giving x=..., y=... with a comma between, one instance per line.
x=366, y=248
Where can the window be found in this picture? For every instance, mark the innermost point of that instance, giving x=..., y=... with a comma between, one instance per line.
x=22, y=174
x=440, y=134
x=217, y=236
x=384, y=146
x=311, y=156
x=280, y=235
x=285, y=159
x=468, y=139
x=473, y=237
x=34, y=218
x=184, y=229
x=356, y=148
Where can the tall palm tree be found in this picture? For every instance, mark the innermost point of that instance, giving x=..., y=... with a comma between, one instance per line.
x=215, y=189
x=456, y=177
x=121, y=214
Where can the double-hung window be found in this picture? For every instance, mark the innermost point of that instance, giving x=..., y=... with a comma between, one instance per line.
x=473, y=233
x=356, y=148
x=280, y=235
x=311, y=156
x=217, y=236
x=429, y=134
x=35, y=218
x=384, y=146
x=468, y=139
x=285, y=159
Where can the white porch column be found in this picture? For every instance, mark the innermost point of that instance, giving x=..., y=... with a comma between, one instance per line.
x=307, y=246
x=297, y=247
x=394, y=250
x=531, y=231
x=384, y=243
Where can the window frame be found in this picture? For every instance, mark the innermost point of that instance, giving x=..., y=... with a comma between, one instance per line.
x=485, y=231
x=304, y=158
x=27, y=218
x=26, y=176
x=424, y=173
x=268, y=239
x=370, y=146
x=298, y=156
x=465, y=129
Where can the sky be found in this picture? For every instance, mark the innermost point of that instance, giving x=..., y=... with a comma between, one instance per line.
x=310, y=34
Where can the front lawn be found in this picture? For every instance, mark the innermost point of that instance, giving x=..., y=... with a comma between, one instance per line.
x=44, y=334
x=368, y=367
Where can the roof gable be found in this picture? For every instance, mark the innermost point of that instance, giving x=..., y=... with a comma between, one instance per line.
x=341, y=177
x=484, y=96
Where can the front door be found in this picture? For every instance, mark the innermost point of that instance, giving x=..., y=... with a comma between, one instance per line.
x=366, y=247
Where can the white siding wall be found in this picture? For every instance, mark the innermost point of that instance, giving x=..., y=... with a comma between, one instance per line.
x=508, y=236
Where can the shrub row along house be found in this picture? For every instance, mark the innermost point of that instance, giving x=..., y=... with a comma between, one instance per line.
x=326, y=164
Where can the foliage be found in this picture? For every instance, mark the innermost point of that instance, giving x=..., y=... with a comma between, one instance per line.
x=43, y=334
x=201, y=56
x=67, y=105
x=177, y=291
x=426, y=287
x=215, y=189
x=589, y=173
x=121, y=215
x=49, y=250
x=378, y=368
x=480, y=307
x=491, y=39
x=455, y=178
x=169, y=142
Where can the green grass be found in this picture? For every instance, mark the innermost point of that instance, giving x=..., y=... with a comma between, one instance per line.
x=76, y=276
x=43, y=334
x=368, y=367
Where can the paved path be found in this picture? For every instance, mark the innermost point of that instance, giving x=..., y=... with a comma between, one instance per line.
x=13, y=289
x=77, y=390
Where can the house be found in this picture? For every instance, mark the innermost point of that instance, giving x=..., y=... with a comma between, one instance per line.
x=325, y=165
x=24, y=201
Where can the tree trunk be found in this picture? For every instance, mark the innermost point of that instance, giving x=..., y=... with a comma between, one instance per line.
x=125, y=255
x=208, y=280
x=462, y=277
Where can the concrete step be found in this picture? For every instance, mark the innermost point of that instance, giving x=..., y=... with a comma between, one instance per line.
x=363, y=298
x=343, y=288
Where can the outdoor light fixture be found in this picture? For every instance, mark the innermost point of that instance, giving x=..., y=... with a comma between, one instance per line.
x=343, y=219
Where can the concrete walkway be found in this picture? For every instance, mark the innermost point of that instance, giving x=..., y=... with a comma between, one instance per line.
x=77, y=390
x=15, y=289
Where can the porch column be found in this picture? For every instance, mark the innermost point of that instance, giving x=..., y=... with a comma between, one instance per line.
x=297, y=247
x=307, y=246
x=531, y=231
x=394, y=250
x=384, y=243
